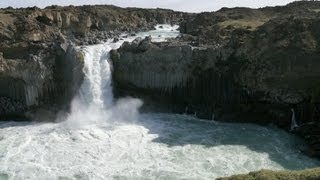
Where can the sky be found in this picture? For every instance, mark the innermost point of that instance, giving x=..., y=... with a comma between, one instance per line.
x=179, y=5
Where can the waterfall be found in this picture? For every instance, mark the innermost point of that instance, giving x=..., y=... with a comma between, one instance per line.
x=294, y=124
x=94, y=102
x=96, y=141
x=96, y=89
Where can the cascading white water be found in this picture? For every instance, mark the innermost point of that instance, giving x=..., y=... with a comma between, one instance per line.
x=95, y=94
x=94, y=103
x=97, y=81
x=105, y=140
x=294, y=124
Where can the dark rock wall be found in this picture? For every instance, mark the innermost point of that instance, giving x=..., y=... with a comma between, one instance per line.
x=68, y=75
x=220, y=84
x=14, y=89
x=39, y=66
x=191, y=79
x=12, y=93
x=247, y=65
x=46, y=81
x=250, y=74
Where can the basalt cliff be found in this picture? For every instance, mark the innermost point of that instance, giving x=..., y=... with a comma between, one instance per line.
x=40, y=66
x=239, y=64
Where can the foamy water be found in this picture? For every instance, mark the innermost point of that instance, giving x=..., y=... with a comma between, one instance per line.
x=106, y=139
x=154, y=146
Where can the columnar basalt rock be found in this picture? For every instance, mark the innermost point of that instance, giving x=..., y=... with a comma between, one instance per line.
x=40, y=66
x=36, y=81
x=241, y=65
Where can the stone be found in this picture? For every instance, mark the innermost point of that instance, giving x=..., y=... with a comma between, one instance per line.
x=116, y=39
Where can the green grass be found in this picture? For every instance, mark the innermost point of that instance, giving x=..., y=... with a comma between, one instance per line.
x=250, y=24
x=309, y=174
x=316, y=10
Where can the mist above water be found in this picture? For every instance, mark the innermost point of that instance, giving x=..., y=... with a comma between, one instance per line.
x=155, y=146
x=94, y=103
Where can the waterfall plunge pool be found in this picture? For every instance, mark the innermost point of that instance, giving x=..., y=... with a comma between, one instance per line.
x=101, y=139
x=163, y=146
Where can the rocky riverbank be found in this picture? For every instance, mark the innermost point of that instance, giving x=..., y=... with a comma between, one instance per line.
x=239, y=65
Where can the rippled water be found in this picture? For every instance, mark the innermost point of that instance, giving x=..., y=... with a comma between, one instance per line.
x=164, y=146
x=103, y=139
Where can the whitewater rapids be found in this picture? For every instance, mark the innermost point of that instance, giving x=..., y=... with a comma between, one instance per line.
x=104, y=139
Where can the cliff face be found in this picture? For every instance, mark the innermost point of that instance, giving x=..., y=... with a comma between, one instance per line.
x=45, y=80
x=236, y=65
x=274, y=63
x=40, y=67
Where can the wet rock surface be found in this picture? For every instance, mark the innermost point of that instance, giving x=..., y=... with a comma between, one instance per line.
x=11, y=107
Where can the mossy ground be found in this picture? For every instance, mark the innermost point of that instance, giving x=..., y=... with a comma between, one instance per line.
x=250, y=24
x=309, y=174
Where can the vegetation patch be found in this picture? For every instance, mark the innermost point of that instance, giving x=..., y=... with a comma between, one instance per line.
x=315, y=10
x=250, y=24
x=309, y=174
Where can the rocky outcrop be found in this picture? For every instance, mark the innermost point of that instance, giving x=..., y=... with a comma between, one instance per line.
x=235, y=65
x=192, y=79
x=82, y=24
x=47, y=79
x=40, y=66
x=168, y=66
